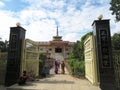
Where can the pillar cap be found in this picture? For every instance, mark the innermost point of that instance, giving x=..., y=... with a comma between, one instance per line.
x=104, y=20
x=18, y=24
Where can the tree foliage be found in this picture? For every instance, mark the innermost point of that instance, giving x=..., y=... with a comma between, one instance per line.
x=42, y=58
x=78, y=49
x=76, y=53
x=86, y=35
x=115, y=8
x=76, y=58
x=77, y=67
x=116, y=41
x=4, y=45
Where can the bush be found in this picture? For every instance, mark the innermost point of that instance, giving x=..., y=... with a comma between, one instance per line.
x=41, y=65
x=76, y=57
x=42, y=58
x=71, y=63
x=77, y=67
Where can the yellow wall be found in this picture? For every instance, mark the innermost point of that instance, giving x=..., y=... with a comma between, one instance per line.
x=90, y=60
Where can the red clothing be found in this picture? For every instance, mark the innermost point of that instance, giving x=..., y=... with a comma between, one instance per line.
x=24, y=76
x=22, y=79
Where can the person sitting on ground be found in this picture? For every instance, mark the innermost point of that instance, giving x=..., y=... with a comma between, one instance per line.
x=23, y=78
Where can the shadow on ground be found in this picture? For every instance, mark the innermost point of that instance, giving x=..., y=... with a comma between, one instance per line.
x=55, y=82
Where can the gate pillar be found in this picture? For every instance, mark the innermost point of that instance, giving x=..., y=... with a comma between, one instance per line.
x=17, y=35
x=101, y=32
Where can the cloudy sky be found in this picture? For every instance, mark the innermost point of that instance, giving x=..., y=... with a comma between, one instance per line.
x=41, y=17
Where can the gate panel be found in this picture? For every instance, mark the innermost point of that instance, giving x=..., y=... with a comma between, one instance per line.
x=116, y=59
x=90, y=61
x=31, y=58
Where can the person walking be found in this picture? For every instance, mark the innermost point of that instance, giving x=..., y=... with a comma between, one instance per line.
x=63, y=67
x=56, y=67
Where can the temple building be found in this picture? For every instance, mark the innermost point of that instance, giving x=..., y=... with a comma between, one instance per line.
x=56, y=48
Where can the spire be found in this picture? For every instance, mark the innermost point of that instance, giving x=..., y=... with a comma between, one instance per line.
x=57, y=30
x=57, y=37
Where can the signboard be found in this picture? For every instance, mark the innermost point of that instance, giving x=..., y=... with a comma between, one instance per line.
x=105, y=60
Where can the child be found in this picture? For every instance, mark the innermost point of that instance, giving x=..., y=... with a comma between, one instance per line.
x=23, y=78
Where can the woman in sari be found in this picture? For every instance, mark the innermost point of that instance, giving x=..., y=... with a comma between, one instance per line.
x=56, y=67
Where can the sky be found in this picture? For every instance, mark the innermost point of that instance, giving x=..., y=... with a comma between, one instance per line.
x=40, y=18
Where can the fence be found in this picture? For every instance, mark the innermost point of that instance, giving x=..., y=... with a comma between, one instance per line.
x=3, y=61
x=116, y=59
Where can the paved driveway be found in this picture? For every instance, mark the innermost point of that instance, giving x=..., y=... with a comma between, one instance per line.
x=57, y=82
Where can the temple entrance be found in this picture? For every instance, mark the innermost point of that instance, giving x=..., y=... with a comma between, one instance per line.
x=58, y=50
x=59, y=54
x=98, y=56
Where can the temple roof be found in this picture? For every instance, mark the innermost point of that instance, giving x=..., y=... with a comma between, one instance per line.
x=57, y=40
x=55, y=43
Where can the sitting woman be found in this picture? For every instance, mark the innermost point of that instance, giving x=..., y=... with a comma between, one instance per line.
x=23, y=78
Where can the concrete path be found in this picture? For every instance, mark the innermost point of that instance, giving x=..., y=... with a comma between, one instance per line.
x=2, y=87
x=57, y=82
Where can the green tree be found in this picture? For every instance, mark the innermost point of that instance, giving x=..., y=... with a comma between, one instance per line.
x=76, y=58
x=76, y=50
x=115, y=8
x=86, y=35
x=42, y=58
x=116, y=41
x=4, y=45
x=82, y=43
x=1, y=45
